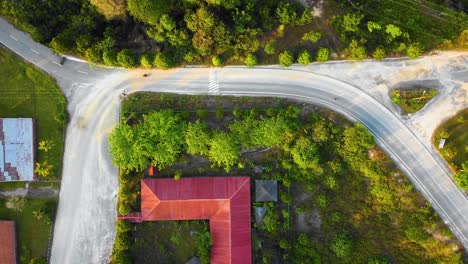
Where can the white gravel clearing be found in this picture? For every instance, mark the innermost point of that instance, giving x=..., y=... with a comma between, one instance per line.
x=377, y=78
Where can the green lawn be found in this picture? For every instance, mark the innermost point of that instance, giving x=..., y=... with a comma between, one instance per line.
x=412, y=100
x=27, y=92
x=32, y=235
x=456, y=145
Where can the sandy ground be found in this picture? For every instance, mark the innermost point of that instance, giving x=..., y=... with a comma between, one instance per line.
x=377, y=78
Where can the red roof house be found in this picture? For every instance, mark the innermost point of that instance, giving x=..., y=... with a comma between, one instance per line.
x=225, y=201
x=7, y=242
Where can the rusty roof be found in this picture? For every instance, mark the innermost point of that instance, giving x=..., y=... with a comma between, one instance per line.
x=16, y=149
x=7, y=242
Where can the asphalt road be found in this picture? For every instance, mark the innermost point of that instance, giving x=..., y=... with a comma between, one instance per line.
x=84, y=228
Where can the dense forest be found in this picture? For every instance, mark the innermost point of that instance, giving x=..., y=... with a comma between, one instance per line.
x=326, y=167
x=167, y=33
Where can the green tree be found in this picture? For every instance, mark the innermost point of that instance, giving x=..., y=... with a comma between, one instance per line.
x=164, y=60
x=110, y=57
x=123, y=226
x=414, y=50
x=304, y=57
x=126, y=148
x=126, y=58
x=224, y=150
x=286, y=58
x=378, y=260
x=371, y=26
x=323, y=54
x=303, y=251
x=217, y=61
x=38, y=261
x=357, y=51
x=197, y=138
x=351, y=22
x=124, y=209
x=149, y=11
x=357, y=138
x=379, y=53
x=203, y=241
x=251, y=60
x=94, y=54
x=146, y=60
x=342, y=245
x=270, y=131
x=393, y=31
x=286, y=13
x=202, y=113
x=270, y=47
x=305, y=153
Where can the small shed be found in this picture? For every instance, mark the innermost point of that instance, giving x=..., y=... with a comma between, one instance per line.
x=17, y=149
x=260, y=213
x=266, y=191
x=7, y=242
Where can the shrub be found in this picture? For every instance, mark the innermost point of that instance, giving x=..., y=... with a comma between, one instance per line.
x=94, y=54
x=286, y=58
x=270, y=48
x=237, y=112
x=163, y=60
x=379, y=53
x=304, y=57
x=146, y=60
x=126, y=58
x=124, y=209
x=357, y=51
x=311, y=36
x=414, y=50
x=110, y=57
x=219, y=113
x=216, y=60
x=15, y=203
x=323, y=54
x=177, y=175
x=123, y=226
x=251, y=60
x=342, y=245
x=202, y=113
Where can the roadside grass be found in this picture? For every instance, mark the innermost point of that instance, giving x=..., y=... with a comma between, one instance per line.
x=32, y=234
x=412, y=100
x=455, y=151
x=7, y=186
x=29, y=93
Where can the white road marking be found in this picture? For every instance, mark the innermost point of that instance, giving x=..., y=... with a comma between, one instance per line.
x=34, y=51
x=57, y=63
x=82, y=72
x=13, y=38
x=213, y=86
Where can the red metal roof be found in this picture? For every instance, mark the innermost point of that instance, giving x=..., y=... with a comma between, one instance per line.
x=225, y=201
x=7, y=242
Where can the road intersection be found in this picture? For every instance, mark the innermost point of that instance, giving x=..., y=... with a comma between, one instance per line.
x=84, y=228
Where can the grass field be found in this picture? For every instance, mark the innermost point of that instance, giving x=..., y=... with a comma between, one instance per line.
x=32, y=234
x=412, y=100
x=27, y=92
x=455, y=150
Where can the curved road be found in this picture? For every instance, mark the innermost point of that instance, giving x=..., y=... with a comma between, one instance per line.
x=84, y=228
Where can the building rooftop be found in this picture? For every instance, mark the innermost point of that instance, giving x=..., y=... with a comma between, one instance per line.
x=7, y=242
x=266, y=190
x=16, y=149
x=225, y=201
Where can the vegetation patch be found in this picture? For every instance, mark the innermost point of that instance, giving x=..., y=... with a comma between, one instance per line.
x=455, y=150
x=33, y=218
x=27, y=92
x=123, y=32
x=412, y=100
x=339, y=197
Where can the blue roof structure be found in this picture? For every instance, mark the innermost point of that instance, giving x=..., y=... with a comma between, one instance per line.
x=16, y=149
